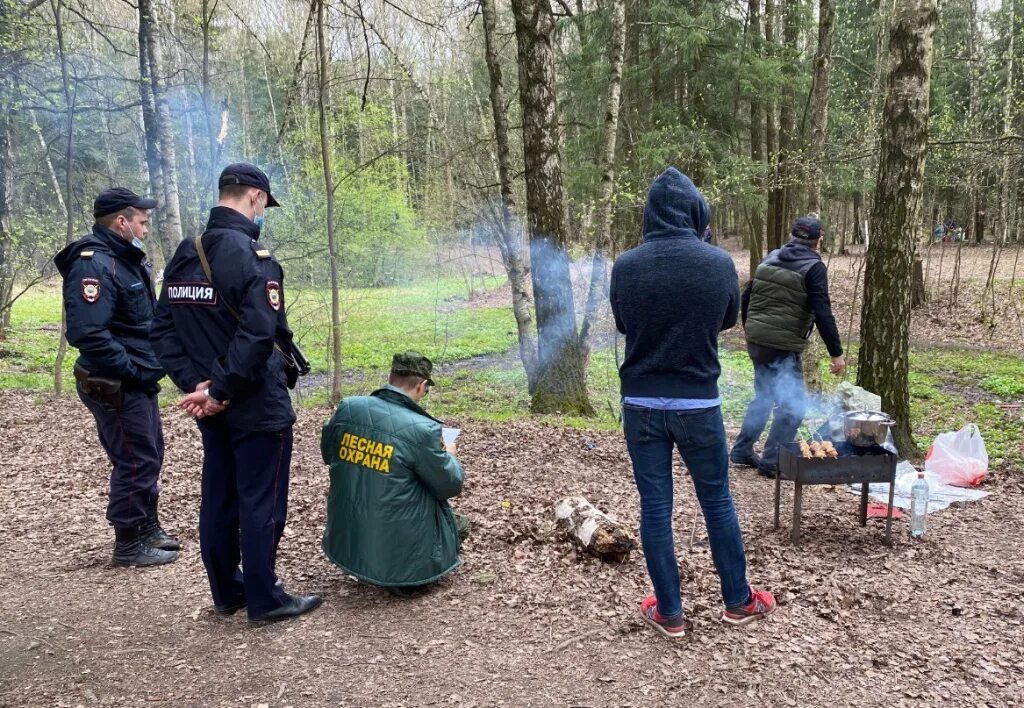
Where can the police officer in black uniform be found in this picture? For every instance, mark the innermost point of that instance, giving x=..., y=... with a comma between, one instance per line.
x=109, y=302
x=221, y=332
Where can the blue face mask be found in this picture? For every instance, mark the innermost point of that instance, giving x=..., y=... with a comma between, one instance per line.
x=135, y=239
x=260, y=219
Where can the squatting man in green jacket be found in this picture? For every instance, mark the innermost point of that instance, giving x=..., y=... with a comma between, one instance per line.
x=388, y=518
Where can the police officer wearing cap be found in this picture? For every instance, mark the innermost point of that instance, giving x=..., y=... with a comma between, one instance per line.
x=220, y=331
x=109, y=303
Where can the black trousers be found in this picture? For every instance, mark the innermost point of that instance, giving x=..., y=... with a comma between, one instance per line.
x=134, y=442
x=242, y=513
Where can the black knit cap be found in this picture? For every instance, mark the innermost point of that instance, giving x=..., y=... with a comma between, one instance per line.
x=115, y=199
x=249, y=175
x=806, y=228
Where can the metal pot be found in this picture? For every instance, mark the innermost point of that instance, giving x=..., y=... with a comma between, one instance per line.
x=866, y=428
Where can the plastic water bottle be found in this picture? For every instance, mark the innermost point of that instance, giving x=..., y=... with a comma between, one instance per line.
x=918, y=505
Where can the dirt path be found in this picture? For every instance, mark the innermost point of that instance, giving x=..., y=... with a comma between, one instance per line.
x=860, y=624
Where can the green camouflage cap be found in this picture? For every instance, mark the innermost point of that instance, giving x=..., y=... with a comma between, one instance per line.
x=412, y=364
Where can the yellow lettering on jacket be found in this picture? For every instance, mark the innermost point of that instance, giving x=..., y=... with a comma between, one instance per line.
x=366, y=452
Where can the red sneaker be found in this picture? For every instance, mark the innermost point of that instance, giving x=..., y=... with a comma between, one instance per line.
x=762, y=604
x=671, y=628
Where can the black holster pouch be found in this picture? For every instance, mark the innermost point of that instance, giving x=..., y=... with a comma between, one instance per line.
x=100, y=388
x=297, y=363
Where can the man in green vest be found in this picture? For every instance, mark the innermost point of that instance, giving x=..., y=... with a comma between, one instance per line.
x=781, y=305
x=392, y=474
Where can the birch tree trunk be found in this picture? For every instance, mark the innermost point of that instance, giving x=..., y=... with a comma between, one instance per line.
x=603, y=236
x=332, y=243
x=561, y=382
x=895, y=216
x=170, y=230
x=70, y=100
x=510, y=242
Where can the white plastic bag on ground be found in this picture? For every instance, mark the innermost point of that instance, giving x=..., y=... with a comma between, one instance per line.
x=958, y=458
x=940, y=495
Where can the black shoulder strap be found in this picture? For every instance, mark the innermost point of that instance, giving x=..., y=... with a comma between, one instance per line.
x=208, y=272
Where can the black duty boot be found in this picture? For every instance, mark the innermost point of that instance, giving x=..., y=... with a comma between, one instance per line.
x=131, y=551
x=153, y=535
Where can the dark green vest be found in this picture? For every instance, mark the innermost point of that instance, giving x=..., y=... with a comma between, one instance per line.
x=778, y=315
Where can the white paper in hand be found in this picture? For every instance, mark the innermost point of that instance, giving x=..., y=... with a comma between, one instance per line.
x=449, y=435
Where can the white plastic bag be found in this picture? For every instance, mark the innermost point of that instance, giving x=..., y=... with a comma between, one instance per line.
x=958, y=458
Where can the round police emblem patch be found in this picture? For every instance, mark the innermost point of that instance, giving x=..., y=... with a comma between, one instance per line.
x=274, y=294
x=90, y=289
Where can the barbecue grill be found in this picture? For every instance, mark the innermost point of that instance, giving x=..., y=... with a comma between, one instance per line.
x=864, y=465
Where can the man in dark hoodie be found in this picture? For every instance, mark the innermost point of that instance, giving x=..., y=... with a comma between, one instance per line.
x=109, y=301
x=671, y=297
x=781, y=305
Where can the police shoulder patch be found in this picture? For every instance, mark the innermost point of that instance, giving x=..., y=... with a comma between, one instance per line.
x=86, y=254
x=263, y=253
x=90, y=289
x=274, y=294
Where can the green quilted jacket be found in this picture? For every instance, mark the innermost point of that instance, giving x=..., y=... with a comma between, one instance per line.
x=388, y=519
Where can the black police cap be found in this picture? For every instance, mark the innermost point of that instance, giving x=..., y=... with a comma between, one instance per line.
x=248, y=175
x=115, y=199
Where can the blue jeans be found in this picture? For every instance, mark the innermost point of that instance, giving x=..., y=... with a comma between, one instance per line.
x=779, y=386
x=700, y=438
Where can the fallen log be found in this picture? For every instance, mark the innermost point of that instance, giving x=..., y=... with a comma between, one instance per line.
x=594, y=531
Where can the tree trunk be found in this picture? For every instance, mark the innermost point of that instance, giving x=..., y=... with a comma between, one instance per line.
x=156, y=177
x=973, y=107
x=787, y=119
x=6, y=187
x=820, y=93
x=509, y=239
x=1008, y=191
x=895, y=216
x=776, y=225
x=918, y=294
x=70, y=101
x=170, y=226
x=756, y=141
x=561, y=383
x=332, y=243
x=594, y=531
x=212, y=122
x=858, y=217
x=603, y=237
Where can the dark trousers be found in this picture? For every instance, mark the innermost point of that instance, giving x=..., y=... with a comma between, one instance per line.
x=134, y=442
x=242, y=513
x=778, y=386
x=699, y=435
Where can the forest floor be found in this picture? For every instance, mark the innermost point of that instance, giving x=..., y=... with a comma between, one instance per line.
x=529, y=620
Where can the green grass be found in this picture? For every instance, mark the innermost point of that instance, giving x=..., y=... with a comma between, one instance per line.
x=430, y=316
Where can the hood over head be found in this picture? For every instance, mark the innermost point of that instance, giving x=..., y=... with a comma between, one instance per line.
x=675, y=208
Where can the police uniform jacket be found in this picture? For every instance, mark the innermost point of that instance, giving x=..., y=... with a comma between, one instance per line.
x=388, y=519
x=197, y=338
x=109, y=302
